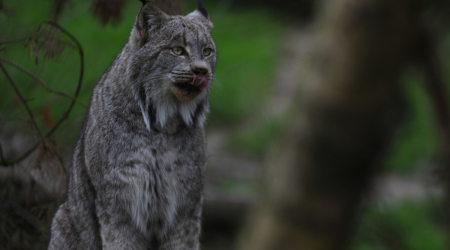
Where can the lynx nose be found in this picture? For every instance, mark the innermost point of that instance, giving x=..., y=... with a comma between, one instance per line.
x=200, y=70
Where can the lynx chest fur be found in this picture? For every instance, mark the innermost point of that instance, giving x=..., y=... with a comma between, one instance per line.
x=136, y=176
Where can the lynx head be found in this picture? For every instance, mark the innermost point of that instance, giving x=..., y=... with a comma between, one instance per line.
x=172, y=65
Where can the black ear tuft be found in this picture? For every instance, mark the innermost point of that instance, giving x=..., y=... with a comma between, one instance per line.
x=202, y=9
x=144, y=1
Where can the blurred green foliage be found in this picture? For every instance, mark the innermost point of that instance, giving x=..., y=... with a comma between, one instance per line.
x=247, y=42
x=416, y=143
x=239, y=188
x=256, y=141
x=100, y=45
x=405, y=225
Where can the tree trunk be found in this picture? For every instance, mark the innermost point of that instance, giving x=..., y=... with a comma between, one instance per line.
x=344, y=120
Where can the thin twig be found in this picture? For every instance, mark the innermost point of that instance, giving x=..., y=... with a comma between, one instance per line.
x=44, y=84
x=18, y=40
x=17, y=209
x=80, y=80
x=33, y=120
x=22, y=120
x=7, y=163
x=2, y=159
x=65, y=115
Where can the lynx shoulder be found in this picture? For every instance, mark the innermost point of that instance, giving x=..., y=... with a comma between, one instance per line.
x=136, y=176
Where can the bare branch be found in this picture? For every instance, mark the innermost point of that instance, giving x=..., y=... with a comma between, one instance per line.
x=18, y=40
x=48, y=42
x=7, y=163
x=33, y=120
x=80, y=80
x=44, y=84
x=74, y=98
x=17, y=209
x=2, y=159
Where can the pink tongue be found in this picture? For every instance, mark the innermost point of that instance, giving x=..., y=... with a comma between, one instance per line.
x=200, y=81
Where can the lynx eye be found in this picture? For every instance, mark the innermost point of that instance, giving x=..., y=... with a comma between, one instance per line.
x=207, y=52
x=178, y=51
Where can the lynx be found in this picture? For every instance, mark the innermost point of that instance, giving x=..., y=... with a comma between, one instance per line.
x=136, y=176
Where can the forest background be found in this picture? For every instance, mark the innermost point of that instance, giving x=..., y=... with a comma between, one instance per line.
x=268, y=57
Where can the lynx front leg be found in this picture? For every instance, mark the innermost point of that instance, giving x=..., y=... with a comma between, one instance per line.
x=185, y=236
x=117, y=230
x=75, y=230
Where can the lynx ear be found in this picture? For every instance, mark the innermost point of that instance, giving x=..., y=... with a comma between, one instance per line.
x=149, y=17
x=201, y=14
x=202, y=9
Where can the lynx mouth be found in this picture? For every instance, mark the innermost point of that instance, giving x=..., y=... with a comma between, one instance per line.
x=188, y=87
x=186, y=91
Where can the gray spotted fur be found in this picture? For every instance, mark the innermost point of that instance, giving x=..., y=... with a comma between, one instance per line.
x=136, y=176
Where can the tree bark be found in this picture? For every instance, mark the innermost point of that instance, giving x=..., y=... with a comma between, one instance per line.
x=343, y=122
